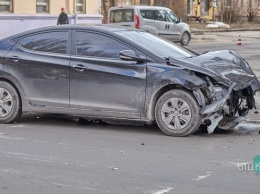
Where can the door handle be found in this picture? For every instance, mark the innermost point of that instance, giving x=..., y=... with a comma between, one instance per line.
x=79, y=67
x=14, y=59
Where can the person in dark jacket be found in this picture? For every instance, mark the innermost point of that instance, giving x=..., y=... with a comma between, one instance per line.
x=63, y=18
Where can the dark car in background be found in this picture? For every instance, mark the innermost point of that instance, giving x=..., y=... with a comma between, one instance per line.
x=116, y=73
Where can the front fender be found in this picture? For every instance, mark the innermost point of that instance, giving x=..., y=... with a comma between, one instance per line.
x=168, y=76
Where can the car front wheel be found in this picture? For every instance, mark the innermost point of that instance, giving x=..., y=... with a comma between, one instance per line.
x=10, y=105
x=185, y=39
x=177, y=113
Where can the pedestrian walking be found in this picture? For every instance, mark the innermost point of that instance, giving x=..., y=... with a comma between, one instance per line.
x=63, y=18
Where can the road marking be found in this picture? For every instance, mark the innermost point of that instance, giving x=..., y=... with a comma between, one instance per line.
x=74, y=186
x=166, y=190
x=18, y=126
x=201, y=177
x=78, y=187
x=12, y=138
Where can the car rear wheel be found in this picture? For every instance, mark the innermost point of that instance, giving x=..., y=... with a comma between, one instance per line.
x=185, y=39
x=177, y=113
x=10, y=105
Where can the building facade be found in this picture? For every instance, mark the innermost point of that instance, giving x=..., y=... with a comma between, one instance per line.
x=91, y=7
x=30, y=14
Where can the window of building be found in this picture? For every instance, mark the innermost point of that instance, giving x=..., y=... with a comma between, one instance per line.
x=6, y=6
x=42, y=6
x=96, y=45
x=51, y=42
x=80, y=6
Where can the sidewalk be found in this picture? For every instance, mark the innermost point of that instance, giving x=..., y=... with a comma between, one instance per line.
x=201, y=31
x=220, y=34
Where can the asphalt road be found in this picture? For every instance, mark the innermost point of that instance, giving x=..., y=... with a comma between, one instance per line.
x=50, y=154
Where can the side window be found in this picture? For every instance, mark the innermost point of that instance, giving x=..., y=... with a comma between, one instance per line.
x=160, y=15
x=51, y=42
x=96, y=45
x=171, y=17
x=147, y=14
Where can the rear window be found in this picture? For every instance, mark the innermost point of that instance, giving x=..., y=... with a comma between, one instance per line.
x=52, y=42
x=122, y=15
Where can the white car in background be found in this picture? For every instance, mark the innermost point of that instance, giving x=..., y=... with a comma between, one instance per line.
x=156, y=20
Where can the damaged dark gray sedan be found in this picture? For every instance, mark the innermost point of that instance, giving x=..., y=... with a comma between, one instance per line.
x=122, y=74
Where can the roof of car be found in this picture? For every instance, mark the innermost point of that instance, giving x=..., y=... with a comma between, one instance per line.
x=104, y=27
x=97, y=27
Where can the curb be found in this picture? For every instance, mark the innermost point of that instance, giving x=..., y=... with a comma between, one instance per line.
x=201, y=32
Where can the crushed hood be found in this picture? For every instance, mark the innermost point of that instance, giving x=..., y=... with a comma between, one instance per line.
x=225, y=66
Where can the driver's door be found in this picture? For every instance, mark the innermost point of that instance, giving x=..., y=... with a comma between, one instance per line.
x=100, y=82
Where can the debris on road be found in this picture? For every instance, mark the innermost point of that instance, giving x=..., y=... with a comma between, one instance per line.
x=113, y=168
x=247, y=128
x=202, y=177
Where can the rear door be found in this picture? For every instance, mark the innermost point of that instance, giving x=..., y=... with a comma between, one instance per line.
x=100, y=82
x=40, y=65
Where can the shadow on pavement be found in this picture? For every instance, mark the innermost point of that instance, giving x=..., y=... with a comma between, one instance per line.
x=72, y=122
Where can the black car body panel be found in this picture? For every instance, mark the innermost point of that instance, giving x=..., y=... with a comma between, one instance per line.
x=110, y=88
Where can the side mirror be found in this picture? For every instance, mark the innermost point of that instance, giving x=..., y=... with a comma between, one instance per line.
x=179, y=20
x=130, y=55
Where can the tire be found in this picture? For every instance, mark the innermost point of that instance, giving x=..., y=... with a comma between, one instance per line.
x=177, y=113
x=185, y=39
x=10, y=104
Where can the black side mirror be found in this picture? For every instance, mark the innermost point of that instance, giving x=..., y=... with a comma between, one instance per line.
x=130, y=55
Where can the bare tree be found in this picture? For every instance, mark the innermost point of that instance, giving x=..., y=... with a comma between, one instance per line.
x=145, y=2
x=251, y=11
x=230, y=11
x=104, y=11
x=106, y=4
x=164, y=3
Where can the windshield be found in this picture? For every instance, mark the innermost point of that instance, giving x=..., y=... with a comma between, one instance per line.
x=156, y=45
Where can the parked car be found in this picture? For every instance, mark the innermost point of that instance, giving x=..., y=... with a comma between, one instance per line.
x=157, y=20
x=119, y=73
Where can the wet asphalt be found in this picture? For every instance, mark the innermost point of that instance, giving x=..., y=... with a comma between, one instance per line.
x=53, y=154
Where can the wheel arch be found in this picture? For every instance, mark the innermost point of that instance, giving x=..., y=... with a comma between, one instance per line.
x=15, y=87
x=159, y=93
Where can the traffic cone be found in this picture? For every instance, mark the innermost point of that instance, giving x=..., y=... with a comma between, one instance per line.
x=239, y=43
